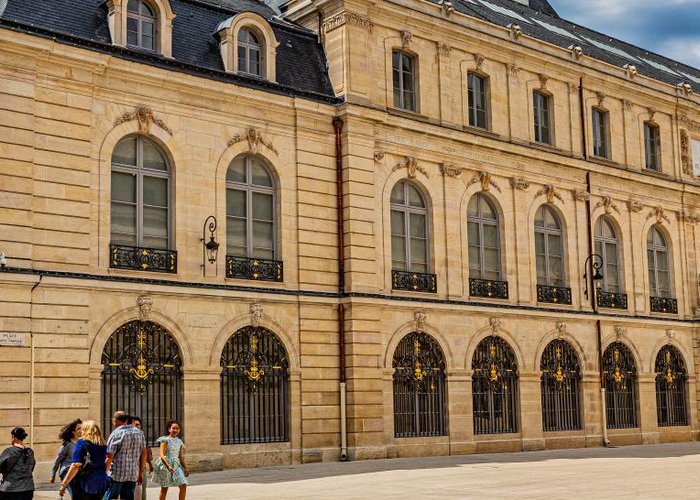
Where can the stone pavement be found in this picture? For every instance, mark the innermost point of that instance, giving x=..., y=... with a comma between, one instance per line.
x=670, y=470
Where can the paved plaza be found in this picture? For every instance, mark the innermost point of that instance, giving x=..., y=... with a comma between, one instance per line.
x=669, y=471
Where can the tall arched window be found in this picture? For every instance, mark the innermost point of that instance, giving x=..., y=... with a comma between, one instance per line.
x=495, y=387
x=140, y=209
x=251, y=221
x=142, y=375
x=606, y=245
x=409, y=238
x=549, y=251
x=658, y=260
x=254, y=388
x=671, y=388
x=620, y=374
x=250, y=52
x=420, y=399
x=560, y=387
x=141, y=25
x=483, y=235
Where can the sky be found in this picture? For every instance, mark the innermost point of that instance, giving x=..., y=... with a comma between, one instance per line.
x=669, y=27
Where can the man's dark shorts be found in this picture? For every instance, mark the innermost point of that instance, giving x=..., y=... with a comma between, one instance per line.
x=123, y=490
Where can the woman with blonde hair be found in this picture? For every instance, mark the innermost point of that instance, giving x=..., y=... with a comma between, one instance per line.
x=89, y=456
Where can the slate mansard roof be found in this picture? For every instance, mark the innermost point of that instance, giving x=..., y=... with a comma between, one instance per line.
x=301, y=62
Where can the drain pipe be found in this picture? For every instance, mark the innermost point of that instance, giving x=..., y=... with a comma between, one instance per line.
x=338, y=127
x=32, y=361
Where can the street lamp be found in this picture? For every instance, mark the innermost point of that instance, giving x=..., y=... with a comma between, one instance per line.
x=596, y=264
x=211, y=247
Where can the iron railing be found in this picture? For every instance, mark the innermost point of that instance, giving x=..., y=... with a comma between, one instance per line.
x=620, y=376
x=490, y=289
x=413, y=282
x=671, y=388
x=611, y=300
x=142, y=375
x=495, y=387
x=663, y=305
x=142, y=259
x=553, y=294
x=254, y=388
x=254, y=269
x=419, y=387
x=560, y=387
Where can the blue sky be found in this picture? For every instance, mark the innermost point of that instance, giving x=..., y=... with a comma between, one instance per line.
x=669, y=27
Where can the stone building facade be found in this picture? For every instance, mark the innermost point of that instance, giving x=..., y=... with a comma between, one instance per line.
x=473, y=158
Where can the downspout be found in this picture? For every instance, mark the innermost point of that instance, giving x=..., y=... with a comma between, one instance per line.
x=338, y=127
x=31, y=361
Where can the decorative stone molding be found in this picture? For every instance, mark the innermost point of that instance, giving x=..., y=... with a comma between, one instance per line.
x=451, y=170
x=685, y=153
x=411, y=164
x=608, y=205
x=420, y=318
x=256, y=314
x=686, y=122
x=519, y=183
x=630, y=70
x=443, y=48
x=479, y=60
x=576, y=51
x=347, y=17
x=671, y=334
x=620, y=331
x=600, y=96
x=652, y=113
x=378, y=155
x=627, y=104
x=634, y=205
x=688, y=216
x=514, y=69
x=144, y=115
x=550, y=193
x=580, y=195
x=255, y=139
x=495, y=324
x=515, y=30
x=447, y=8
x=658, y=212
x=145, y=304
x=573, y=87
x=561, y=329
x=406, y=37
x=543, y=80
x=684, y=88
x=486, y=181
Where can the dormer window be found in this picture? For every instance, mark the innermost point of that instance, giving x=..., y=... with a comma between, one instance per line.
x=250, y=52
x=141, y=22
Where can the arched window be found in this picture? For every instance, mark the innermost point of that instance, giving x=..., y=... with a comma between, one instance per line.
x=549, y=247
x=140, y=209
x=254, y=388
x=483, y=235
x=620, y=374
x=420, y=400
x=404, y=80
x=409, y=228
x=141, y=25
x=606, y=245
x=142, y=375
x=671, y=387
x=560, y=387
x=659, y=271
x=250, y=53
x=495, y=387
x=251, y=232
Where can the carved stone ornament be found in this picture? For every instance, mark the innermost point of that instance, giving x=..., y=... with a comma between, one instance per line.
x=620, y=331
x=451, y=170
x=145, y=117
x=685, y=153
x=443, y=48
x=515, y=30
x=652, y=113
x=447, y=7
x=573, y=87
x=634, y=206
x=486, y=181
x=580, y=195
x=658, y=212
x=684, y=88
x=255, y=139
x=543, y=80
x=576, y=51
x=550, y=193
x=495, y=324
x=670, y=334
x=256, y=314
x=688, y=216
x=406, y=37
x=627, y=104
x=514, y=69
x=689, y=124
x=696, y=311
x=145, y=304
x=600, y=96
x=411, y=164
x=608, y=205
x=378, y=155
x=420, y=318
x=631, y=70
x=561, y=329
x=479, y=60
x=519, y=183
x=346, y=17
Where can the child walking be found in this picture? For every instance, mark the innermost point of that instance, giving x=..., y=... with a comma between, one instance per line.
x=170, y=469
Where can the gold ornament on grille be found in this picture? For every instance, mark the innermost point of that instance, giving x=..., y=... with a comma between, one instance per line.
x=418, y=372
x=141, y=372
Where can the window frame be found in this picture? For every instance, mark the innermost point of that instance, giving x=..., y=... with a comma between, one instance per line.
x=401, y=104
x=407, y=210
x=656, y=250
x=652, y=146
x=140, y=19
x=600, y=127
x=547, y=232
x=249, y=46
x=249, y=189
x=472, y=110
x=605, y=286
x=480, y=221
x=139, y=172
x=543, y=112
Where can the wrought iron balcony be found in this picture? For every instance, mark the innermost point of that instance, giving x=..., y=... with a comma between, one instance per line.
x=490, y=289
x=413, y=282
x=554, y=294
x=142, y=259
x=611, y=299
x=254, y=269
x=664, y=305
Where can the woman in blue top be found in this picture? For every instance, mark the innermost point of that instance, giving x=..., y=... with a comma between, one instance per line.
x=64, y=458
x=89, y=456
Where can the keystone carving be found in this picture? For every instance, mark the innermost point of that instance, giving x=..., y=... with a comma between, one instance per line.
x=256, y=314
x=620, y=331
x=255, y=139
x=145, y=117
x=145, y=304
x=486, y=181
x=411, y=165
x=608, y=205
x=420, y=318
x=658, y=212
x=600, y=96
x=495, y=324
x=561, y=329
x=543, y=80
x=550, y=193
x=670, y=334
x=406, y=37
x=479, y=60
x=652, y=113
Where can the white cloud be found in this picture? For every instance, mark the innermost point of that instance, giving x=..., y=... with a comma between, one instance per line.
x=686, y=50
